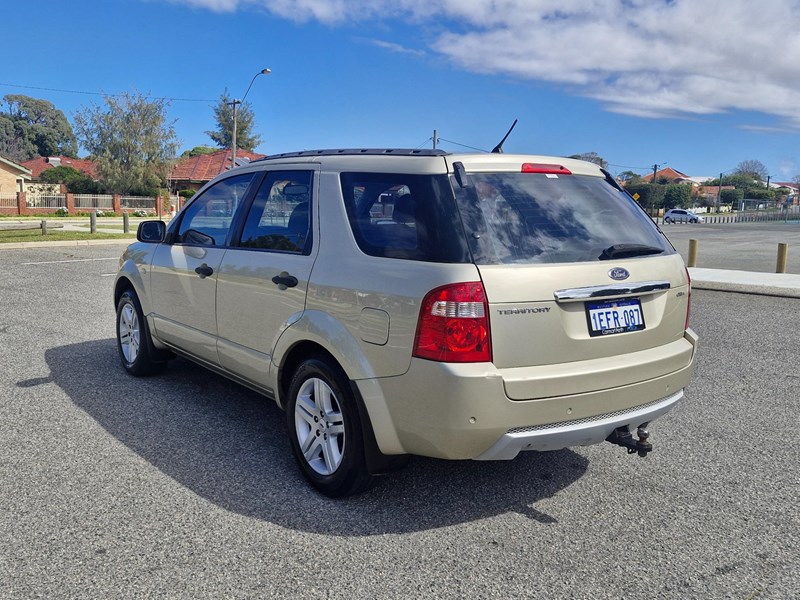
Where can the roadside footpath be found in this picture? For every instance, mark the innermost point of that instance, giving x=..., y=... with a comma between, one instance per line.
x=784, y=285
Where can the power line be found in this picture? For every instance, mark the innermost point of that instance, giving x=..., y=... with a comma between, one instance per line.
x=629, y=167
x=463, y=145
x=47, y=89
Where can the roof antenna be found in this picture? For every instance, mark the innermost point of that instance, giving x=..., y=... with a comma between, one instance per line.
x=499, y=148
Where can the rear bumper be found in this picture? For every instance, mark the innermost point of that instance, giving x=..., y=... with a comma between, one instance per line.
x=462, y=411
x=583, y=432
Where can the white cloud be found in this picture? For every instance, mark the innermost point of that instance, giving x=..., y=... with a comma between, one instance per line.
x=647, y=58
x=396, y=48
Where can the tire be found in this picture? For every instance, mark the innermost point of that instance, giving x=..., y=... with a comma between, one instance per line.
x=667, y=220
x=325, y=429
x=133, y=338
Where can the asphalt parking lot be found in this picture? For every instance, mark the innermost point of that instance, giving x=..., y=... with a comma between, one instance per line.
x=739, y=246
x=183, y=485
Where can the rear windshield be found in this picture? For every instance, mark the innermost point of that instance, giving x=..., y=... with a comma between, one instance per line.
x=546, y=218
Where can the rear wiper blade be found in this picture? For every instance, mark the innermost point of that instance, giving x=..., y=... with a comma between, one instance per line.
x=628, y=251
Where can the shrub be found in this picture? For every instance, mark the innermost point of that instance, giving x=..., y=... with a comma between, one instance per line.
x=62, y=211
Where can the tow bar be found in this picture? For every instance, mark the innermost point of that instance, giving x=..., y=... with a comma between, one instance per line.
x=621, y=436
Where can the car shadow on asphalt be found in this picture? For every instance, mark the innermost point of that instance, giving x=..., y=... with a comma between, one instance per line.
x=229, y=445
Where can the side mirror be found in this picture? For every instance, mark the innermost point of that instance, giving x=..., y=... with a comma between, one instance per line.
x=151, y=232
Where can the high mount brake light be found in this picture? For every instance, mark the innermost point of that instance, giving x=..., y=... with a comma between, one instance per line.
x=454, y=325
x=544, y=168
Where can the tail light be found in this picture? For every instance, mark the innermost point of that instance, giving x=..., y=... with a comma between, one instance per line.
x=689, y=300
x=454, y=325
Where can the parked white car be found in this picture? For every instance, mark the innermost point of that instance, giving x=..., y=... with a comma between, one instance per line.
x=397, y=302
x=679, y=215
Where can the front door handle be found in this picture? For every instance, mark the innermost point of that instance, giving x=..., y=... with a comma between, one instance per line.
x=284, y=280
x=204, y=271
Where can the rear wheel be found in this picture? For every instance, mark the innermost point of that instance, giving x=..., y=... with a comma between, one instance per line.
x=133, y=338
x=325, y=429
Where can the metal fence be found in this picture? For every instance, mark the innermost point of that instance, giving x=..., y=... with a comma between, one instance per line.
x=8, y=201
x=45, y=200
x=94, y=201
x=138, y=202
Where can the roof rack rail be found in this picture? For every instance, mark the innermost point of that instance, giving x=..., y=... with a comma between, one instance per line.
x=357, y=151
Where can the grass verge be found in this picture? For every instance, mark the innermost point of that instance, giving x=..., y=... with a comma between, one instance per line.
x=35, y=235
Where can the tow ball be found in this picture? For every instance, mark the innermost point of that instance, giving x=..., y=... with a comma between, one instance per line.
x=621, y=436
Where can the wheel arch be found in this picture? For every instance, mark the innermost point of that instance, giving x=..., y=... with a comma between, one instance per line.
x=377, y=462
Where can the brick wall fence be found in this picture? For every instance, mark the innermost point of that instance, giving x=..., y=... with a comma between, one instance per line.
x=20, y=207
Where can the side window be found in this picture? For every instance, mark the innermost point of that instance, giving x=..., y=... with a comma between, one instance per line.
x=280, y=217
x=407, y=216
x=207, y=220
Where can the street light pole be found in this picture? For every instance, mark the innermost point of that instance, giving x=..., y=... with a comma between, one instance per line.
x=235, y=104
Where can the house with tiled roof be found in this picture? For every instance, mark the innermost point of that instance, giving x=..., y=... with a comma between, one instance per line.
x=40, y=164
x=193, y=172
x=669, y=174
x=12, y=177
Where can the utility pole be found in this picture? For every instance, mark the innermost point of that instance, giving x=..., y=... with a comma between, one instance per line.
x=655, y=169
x=435, y=139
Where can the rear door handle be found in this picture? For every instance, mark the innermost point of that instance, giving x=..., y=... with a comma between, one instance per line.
x=284, y=280
x=204, y=271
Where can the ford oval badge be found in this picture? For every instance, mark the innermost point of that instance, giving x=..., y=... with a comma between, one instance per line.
x=618, y=273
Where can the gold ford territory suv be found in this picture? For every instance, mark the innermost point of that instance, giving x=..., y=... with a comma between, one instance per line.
x=397, y=302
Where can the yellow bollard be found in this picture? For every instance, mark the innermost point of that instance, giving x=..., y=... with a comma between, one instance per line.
x=692, y=253
x=783, y=252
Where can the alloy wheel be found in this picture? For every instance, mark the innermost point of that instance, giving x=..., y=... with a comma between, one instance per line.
x=129, y=333
x=319, y=426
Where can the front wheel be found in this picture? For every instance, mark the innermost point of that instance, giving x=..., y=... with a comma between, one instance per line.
x=325, y=429
x=133, y=338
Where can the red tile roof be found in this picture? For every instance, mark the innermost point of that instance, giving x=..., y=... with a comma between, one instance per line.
x=668, y=173
x=41, y=163
x=207, y=166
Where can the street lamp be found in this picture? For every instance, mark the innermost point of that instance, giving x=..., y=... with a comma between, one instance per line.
x=236, y=103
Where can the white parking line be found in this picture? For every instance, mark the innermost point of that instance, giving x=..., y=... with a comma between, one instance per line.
x=107, y=274
x=54, y=262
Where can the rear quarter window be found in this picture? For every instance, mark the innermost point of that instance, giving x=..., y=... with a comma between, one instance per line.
x=412, y=217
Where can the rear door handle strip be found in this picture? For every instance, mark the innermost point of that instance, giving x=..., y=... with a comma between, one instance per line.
x=606, y=291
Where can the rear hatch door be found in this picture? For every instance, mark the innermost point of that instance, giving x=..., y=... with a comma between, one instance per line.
x=575, y=273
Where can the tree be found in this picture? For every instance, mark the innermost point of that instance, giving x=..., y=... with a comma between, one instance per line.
x=198, y=151
x=131, y=140
x=677, y=195
x=592, y=157
x=651, y=196
x=245, y=122
x=31, y=127
x=753, y=168
x=629, y=177
x=731, y=197
x=76, y=182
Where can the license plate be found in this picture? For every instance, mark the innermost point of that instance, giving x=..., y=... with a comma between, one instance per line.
x=619, y=316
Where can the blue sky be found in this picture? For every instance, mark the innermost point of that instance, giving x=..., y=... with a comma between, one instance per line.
x=700, y=86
